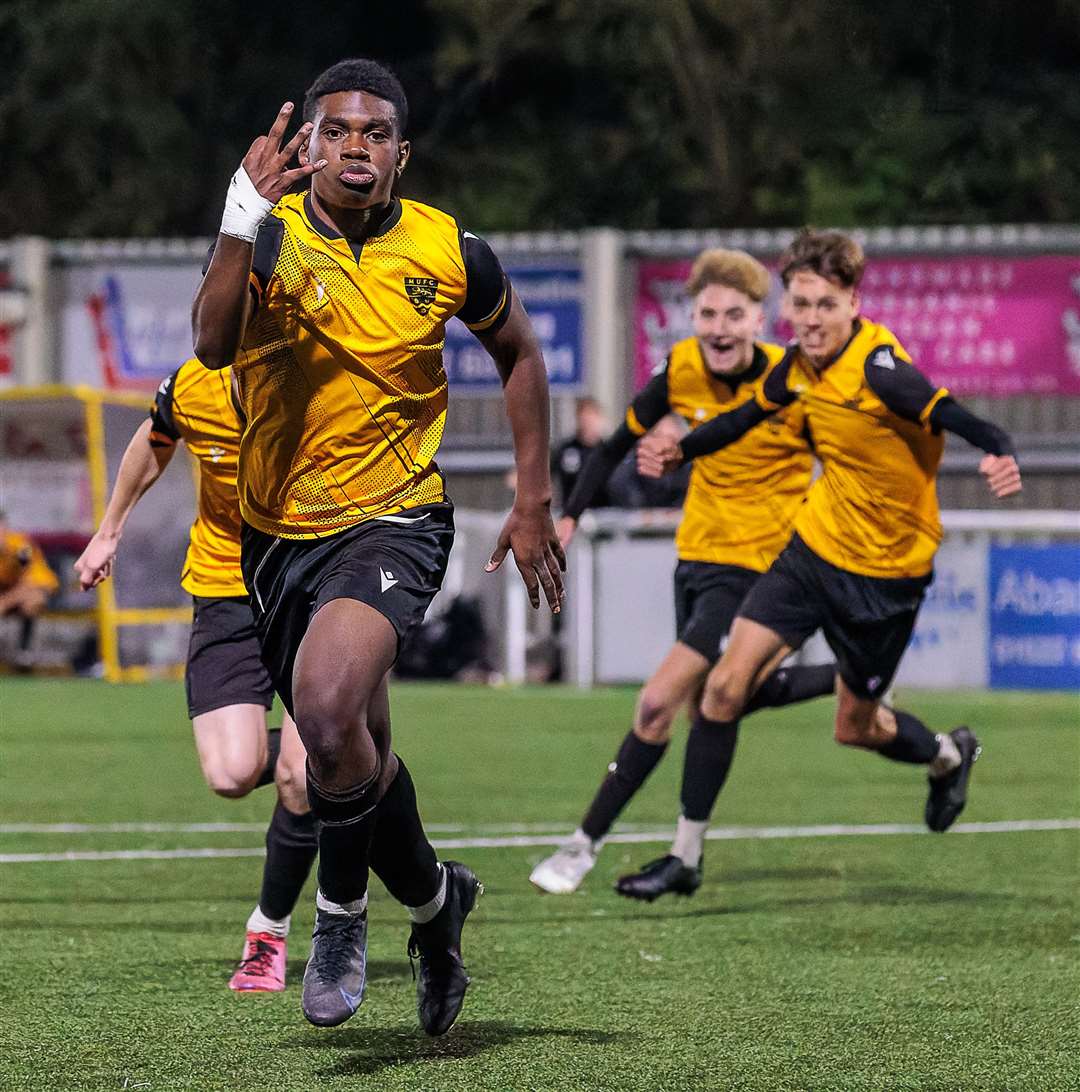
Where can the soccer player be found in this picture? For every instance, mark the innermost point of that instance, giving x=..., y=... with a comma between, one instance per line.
x=331, y=304
x=737, y=517
x=228, y=688
x=862, y=551
x=26, y=582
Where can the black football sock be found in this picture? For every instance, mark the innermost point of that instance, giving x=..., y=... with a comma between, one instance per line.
x=791, y=684
x=633, y=764
x=914, y=742
x=710, y=750
x=401, y=855
x=347, y=823
x=273, y=749
x=292, y=843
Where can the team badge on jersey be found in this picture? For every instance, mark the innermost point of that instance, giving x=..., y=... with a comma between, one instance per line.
x=421, y=292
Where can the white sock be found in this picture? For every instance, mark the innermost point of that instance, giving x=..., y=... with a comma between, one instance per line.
x=580, y=840
x=689, y=841
x=260, y=923
x=357, y=906
x=947, y=758
x=421, y=915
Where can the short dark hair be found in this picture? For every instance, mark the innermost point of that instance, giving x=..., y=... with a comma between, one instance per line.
x=829, y=254
x=359, y=74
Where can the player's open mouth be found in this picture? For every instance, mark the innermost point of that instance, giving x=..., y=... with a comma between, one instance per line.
x=360, y=178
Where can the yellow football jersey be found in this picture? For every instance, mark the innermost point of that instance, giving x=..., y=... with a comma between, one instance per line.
x=195, y=405
x=340, y=376
x=741, y=501
x=874, y=510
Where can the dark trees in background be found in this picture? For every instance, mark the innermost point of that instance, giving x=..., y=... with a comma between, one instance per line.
x=126, y=117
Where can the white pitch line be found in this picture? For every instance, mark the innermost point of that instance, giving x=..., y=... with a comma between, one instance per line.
x=257, y=828
x=517, y=841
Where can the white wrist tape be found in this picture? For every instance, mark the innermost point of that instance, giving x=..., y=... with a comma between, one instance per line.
x=245, y=208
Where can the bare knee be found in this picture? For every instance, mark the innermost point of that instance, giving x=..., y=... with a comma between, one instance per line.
x=291, y=781
x=227, y=781
x=323, y=731
x=724, y=696
x=655, y=714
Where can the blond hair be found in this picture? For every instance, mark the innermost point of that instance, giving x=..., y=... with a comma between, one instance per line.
x=732, y=268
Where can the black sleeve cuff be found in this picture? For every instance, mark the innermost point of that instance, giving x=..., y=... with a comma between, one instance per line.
x=948, y=414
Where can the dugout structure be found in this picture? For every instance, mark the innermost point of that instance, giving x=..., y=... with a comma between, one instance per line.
x=60, y=449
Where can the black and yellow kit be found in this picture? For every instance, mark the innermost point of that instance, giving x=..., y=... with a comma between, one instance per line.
x=340, y=376
x=195, y=405
x=874, y=510
x=343, y=394
x=862, y=550
x=224, y=666
x=740, y=504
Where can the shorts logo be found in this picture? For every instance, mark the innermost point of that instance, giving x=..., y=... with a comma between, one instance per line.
x=387, y=579
x=421, y=292
x=873, y=684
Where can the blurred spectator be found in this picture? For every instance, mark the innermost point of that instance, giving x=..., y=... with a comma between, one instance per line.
x=26, y=583
x=590, y=428
x=626, y=488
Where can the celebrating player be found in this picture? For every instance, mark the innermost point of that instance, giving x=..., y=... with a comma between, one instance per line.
x=737, y=518
x=862, y=551
x=333, y=304
x=228, y=688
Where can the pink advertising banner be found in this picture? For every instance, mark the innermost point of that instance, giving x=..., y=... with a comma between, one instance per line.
x=978, y=325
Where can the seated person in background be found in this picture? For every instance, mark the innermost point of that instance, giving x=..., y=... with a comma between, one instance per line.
x=590, y=428
x=26, y=582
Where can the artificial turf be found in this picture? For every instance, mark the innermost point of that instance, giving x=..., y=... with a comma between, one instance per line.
x=845, y=962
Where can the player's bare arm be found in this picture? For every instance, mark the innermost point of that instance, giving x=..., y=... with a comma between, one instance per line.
x=222, y=304
x=528, y=531
x=141, y=466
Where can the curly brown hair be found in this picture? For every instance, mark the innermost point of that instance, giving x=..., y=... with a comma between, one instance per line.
x=829, y=254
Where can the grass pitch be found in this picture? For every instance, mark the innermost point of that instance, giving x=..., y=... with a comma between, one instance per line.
x=846, y=962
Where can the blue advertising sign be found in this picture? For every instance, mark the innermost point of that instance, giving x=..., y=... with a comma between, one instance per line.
x=552, y=296
x=1035, y=617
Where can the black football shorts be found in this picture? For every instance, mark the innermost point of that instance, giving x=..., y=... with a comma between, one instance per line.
x=707, y=598
x=866, y=620
x=393, y=563
x=224, y=665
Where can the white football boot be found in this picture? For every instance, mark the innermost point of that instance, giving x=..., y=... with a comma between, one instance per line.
x=563, y=871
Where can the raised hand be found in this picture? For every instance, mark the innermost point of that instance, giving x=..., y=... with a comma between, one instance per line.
x=1002, y=474
x=658, y=455
x=267, y=160
x=529, y=534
